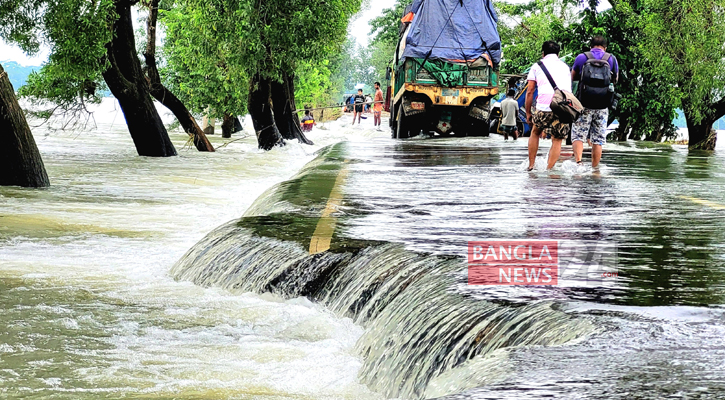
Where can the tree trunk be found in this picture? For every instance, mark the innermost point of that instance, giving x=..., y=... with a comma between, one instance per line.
x=228, y=125
x=20, y=160
x=283, y=99
x=260, y=109
x=207, y=123
x=701, y=135
x=164, y=95
x=128, y=84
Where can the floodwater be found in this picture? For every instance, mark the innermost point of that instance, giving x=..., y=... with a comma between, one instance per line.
x=88, y=309
x=99, y=297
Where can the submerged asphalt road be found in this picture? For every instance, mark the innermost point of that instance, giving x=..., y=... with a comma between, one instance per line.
x=655, y=330
x=661, y=321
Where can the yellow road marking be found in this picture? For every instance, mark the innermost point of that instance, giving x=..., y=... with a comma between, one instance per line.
x=322, y=236
x=704, y=202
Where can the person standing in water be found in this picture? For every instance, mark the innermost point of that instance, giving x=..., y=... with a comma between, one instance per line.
x=544, y=122
x=377, y=106
x=509, y=112
x=597, y=72
x=359, y=102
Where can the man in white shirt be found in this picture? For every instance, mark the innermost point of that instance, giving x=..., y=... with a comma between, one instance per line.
x=509, y=111
x=544, y=122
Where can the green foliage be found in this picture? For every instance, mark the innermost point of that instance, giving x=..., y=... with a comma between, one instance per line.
x=213, y=48
x=313, y=86
x=525, y=27
x=201, y=65
x=76, y=32
x=385, y=29
x=683, y=47
x=19, y=22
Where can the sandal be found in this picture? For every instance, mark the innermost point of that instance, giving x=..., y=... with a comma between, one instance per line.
x=529, y=169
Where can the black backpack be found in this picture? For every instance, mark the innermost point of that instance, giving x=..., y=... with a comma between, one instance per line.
x=596, y=75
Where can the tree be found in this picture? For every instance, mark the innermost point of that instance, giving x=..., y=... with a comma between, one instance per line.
x=683, y=45
x=270, y=39
x=93, y=42
x=160, y=92
x=20, y=159
x=202, y=64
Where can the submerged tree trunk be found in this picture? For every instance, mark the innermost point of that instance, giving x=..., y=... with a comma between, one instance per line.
x=164, y=95
x=228, y=125
x=20, y=161
x=260, y=109
x=701, y=135
x=283, y=99
x=128, y=84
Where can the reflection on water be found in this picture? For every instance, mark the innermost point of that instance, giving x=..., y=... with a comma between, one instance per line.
x=662, y=206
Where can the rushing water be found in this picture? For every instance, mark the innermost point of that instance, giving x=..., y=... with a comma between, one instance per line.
x=126, y=279
x=87, y=306
x=410, y=206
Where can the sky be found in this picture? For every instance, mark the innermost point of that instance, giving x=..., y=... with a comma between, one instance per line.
x=13, y=53
x=360, y=28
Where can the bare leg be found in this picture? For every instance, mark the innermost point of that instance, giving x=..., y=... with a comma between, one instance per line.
x=554, y=152
x=596, y=154
x=578, y=147
x=533, y=145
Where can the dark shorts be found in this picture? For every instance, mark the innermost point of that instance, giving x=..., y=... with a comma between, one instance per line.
x=550, y=124
x=508, y=129
x=358, y=108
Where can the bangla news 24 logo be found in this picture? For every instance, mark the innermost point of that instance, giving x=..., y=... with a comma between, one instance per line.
x=542, y=262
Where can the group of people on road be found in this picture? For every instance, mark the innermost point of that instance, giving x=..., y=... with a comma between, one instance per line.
x=360, y=102
x=597, y=71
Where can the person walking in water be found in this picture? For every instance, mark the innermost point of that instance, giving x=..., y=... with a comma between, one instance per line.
x=359, y=102
x=544, y=122
x=597, y=72
x=509, y=112
x=377, y=106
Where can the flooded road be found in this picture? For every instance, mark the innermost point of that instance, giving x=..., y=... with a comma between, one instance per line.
x=349, y=280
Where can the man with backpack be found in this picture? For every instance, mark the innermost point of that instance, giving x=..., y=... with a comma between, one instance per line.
x=597, y=72
x=550, y=76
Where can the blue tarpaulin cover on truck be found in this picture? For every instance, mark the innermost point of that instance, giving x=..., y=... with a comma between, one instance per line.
x=460, y=30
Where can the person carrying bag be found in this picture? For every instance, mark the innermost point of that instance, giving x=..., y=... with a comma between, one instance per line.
x=564, y=104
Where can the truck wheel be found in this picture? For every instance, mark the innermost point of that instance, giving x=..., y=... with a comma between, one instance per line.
x=479, y=128
x=403, y=131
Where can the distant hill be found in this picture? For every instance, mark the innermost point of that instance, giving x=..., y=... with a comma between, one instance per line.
x=17, y=73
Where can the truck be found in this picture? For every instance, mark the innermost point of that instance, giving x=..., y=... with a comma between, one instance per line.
x=445, y=68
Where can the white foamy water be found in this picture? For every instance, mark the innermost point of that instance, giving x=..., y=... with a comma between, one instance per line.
x=88, y=309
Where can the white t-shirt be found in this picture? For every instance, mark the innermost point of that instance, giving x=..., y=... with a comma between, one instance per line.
x=561, y=74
